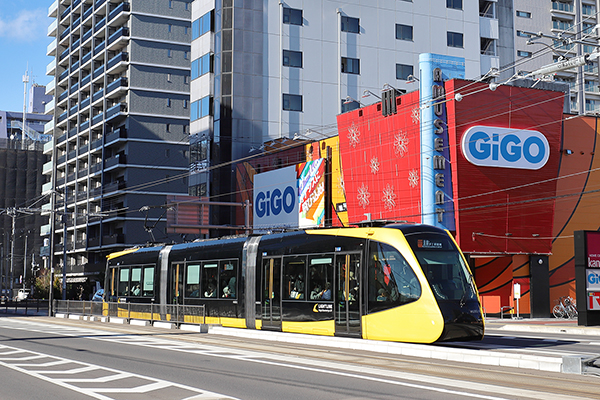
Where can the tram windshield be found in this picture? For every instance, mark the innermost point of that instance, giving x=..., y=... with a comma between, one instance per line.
x=444, y=267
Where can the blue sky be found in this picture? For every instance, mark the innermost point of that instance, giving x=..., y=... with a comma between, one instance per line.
x=23, y=39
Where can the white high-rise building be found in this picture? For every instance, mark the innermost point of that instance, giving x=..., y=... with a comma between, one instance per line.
x=281, y=69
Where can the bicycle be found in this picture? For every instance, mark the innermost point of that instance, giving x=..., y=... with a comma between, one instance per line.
x=565, y=308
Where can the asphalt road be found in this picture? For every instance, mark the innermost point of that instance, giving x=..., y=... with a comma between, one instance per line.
x=43, y=358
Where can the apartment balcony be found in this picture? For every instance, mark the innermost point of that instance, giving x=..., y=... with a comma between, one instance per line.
x=84, y=103
x=71, y=134
x=86, y=58
x=61, y=139
x=87, y=13
x=45, y=230
x=51, y=68
x=97, y=96
x=117, y=64
x=75, y=87
x=49, y=107
x=84, y=125
x=75, y=44
x=100, y=24
x=76, y=22
x=63, y=55
x=120, y=84
x=119, y=15
x=86, y=80
x=115, y=135
x=62, y=97
x=50, y=87
x=65, y=13
x=87, y=35
x=52, y=28
x=63, y=76
x=99, y=3
x=65, y=33
x=97, y=119
x=48, y=147
x=47, y=168
x=47, y=187
x=49, y=127
x=117, y=39
x=560, y=8
x=115, y=110
x=98, y=72
x=51, y=49
x=99, y=48
x=53, y=10
x=119, y=159
x=113, y=186
x=113, y=239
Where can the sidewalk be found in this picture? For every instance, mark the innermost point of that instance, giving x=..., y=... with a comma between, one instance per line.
x=542, y=325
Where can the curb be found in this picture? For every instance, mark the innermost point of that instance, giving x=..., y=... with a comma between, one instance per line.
x=540, y=363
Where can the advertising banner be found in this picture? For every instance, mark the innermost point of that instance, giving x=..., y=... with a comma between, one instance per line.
x=275, y=199
x=593, y=300
x=311, y=193
x=593, y=249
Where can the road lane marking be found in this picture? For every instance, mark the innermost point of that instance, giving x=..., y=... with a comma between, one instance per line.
x=100, y=392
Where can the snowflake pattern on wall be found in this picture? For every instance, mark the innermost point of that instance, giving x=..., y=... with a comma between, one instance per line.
x=353, y=135
x=363, y=196
x=416, y=115
x=400, y=144
x=413, y=178
x=375, y=165
x=389, y=197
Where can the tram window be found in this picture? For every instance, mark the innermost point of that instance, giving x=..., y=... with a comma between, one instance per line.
x=294, y=274
x=210, y=279
x=148, y=288
x=123, y=282
x=227, y=277
x=192, y=285
x=392, y=281
x=320, y=277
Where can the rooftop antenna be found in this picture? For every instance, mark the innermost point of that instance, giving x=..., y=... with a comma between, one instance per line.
x=25, y=82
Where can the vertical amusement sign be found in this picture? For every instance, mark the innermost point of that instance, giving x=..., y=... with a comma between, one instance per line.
x=437, y=204
x=311, y=193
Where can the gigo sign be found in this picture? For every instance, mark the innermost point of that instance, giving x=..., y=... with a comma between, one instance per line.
x=489, y=146
x=276, y=199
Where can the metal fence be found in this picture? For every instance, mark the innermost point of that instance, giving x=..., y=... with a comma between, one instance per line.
x=174, y=313
x=26, y=307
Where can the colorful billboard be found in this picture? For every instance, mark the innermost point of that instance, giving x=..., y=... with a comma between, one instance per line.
x=275, y=200
x=311, y=193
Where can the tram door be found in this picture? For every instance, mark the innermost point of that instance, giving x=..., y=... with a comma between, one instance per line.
x=347, y=304
x=271, y=291
x=176, y=295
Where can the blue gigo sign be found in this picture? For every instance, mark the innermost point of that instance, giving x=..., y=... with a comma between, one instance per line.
x=489, y=146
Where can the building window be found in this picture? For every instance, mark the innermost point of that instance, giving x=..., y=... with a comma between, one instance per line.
x=403, y=71
x=455, y=4
x=202, y=65
x=522, y=53
x=187, y=6
x=292, y=58
x=169, y=78
x=202, y=25
x=455, y=39
x=292, y=102
x=170, y=28
x=170, y=3
x=404, y=32
x=488, y=47
x=168, y=102
x=186, y=79
x=292, y=16
x=185, y=104
x=523, y=14
x=200, y=108
x=168, y=127
x=169, y=53
x=350, y=65
x=185, y=55
x=350, y=25
x=523, y=34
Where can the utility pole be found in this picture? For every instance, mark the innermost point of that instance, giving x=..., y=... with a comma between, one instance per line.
x=64, y=270
x=12, y=212
x=25, y=263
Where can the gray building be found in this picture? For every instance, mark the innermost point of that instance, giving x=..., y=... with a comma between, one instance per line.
x=120, y=125
x=570, y=19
